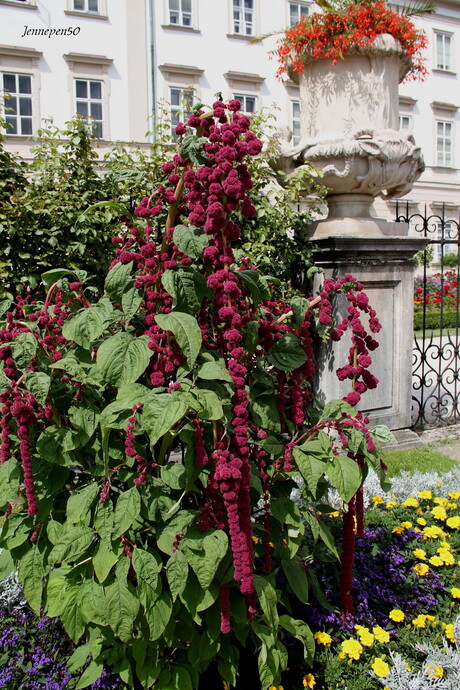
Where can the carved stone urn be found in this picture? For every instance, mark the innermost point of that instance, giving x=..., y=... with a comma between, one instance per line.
x=349, y=121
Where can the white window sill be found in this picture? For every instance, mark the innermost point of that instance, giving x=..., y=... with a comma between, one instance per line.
x=179, y=27
x=438, y=70
x=245, y=37
x=22, y=5
x=92, y=15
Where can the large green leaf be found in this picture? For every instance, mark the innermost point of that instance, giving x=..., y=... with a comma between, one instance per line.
x=268, y=599
x=205, y=559
x=287, y=353
x=161, y=414
x=211, y=371
x=310, y=466
x=147, y=566
x=31, y=573
x=127, y=510
x=104, y=558
x=38, y=383
x=122, y=358
x=92, y=602
x=345, y=475
x=187, y=332
x=24, y=347
x=88, y=324
x=187, y=287
x=297, y=578
x=177, y=572
x=90, y=675
x=117, y=279
x=72, y=544
x=130, y=302
x=103, y=521
x=122, y=607
x=71, y=615
x=80, y=504
x=158, y=615
x=10, y=475
x=190, y=240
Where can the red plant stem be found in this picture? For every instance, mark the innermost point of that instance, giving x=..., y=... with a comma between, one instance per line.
x=348, y=553
x=359, y=512
x=224, y=599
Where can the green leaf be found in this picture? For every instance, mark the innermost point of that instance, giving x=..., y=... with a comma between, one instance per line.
x=72, y=544
x=84, y=418
x=50, y=445
x=80, y=504
x=92, y=602
x=161, y=414
x=344, y=473
x=190, y=240
x=177, y=572
x=286, y=511
x=302, y=632
x=10, y=476
x=5, y=382
x=310, y=466
x=192, y=148
x=187, y=332
x=103, y=521
x=328, y=539
x=268, y=599
x=104, y=558
x=88, y=324
x=210, y=403
x=122, y=358
x=56, y=591
x=24, y=347
x=131, y=301
x=287, y=353
x=50, y=277
x=71, y=616
x=31, y=573
x=117, y=279
x=180, y=679
x=187, y=287
x=214, y=545
x=122, y=607
x=127, y=509
x=264, y=412
x=250, y=278
x=267, y=663
x=7, y=565
x=299, y=306
x=90, y=675
x=38, y=383
x=78, y=658
x=158, y=615
x=147, y=566
x=297, y=578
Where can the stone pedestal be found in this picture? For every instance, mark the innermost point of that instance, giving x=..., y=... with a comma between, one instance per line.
x=385, y=266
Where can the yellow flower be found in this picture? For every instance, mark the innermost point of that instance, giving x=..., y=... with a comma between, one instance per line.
x=421, y=521
x=396, y=615
x=420, y=553
x=436, y=560
x=366, y=638
x=309, y=680
x=455, y=591
x=449, y=632
x=227, y=686
x=397, y=530
x=439, y=513
x=455, y=495
x=272, y=687
x=446, y=556
x=451, y=506
x=391, y=504
x=433, y=532
x=322, y=637
x=421, y=569
x=420, y=621
x=410, y=503
x=440, y=501
x=425, y=494
x=406, y=525
x=377, y=500
x=435, y=671
x=453, y=522
x=380, y=634
x=335, y=513
x=352, y=648
x=380, y=667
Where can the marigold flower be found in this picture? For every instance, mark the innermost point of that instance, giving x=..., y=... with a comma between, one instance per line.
x=447, y=557
x=396, y=615
x=419, y=553
x=455, y=591
x=449, y=632
x=352, y=648
x=380, y=667
x=440, y=501
x=421, y=521
x=427, y=495
x=377, y=500
x=421, y=569
x=406, y=525
x=309, y=680
x=366, y=638
x=455, y=495
x=380, y=634
x=435, y=670
x=453, y=522
x=436, y=560
x=391, y=504
x=439, y=513
x=433, y=532
x=420, y=621
x=410, y=503
x=397, y=530
x=322, y=637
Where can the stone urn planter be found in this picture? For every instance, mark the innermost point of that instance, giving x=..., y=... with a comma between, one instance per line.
x=349, y=120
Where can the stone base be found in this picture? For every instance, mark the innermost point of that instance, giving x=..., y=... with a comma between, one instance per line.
x=406, y=439
x=356, y=227
x=385, y=267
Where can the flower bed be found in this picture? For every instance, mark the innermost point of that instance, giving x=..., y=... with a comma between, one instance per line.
x=436, y=293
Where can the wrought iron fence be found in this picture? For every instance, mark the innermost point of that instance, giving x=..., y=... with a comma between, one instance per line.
x=436, y=352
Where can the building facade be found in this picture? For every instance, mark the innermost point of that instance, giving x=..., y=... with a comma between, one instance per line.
x=114, y=60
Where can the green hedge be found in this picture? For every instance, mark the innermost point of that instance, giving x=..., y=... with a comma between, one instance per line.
x=450, y=318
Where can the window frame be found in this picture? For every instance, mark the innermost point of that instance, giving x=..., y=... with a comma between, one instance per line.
x=241, y=96
x=181, y=12
x=408, y=117
x=299, y=4
x=86, y=9
x=30, y=97
x=448, y=67
x=295, y=123
x=90, y=101
x=242, y=20
x=440, y=156
x=177, y=112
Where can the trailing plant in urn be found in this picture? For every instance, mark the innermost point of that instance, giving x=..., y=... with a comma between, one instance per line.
x=166, y=570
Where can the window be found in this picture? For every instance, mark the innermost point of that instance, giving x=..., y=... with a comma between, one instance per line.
x=405, y=123
x=181, y=100
x=180, y=12
x=297, y=10
x=445, y=232
x=88, y=94
x=444, y=143
x=443, y=58
x=295, y=122
x=86, y=6
x=248, y=103
x=243, y=17
x=18, y=102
